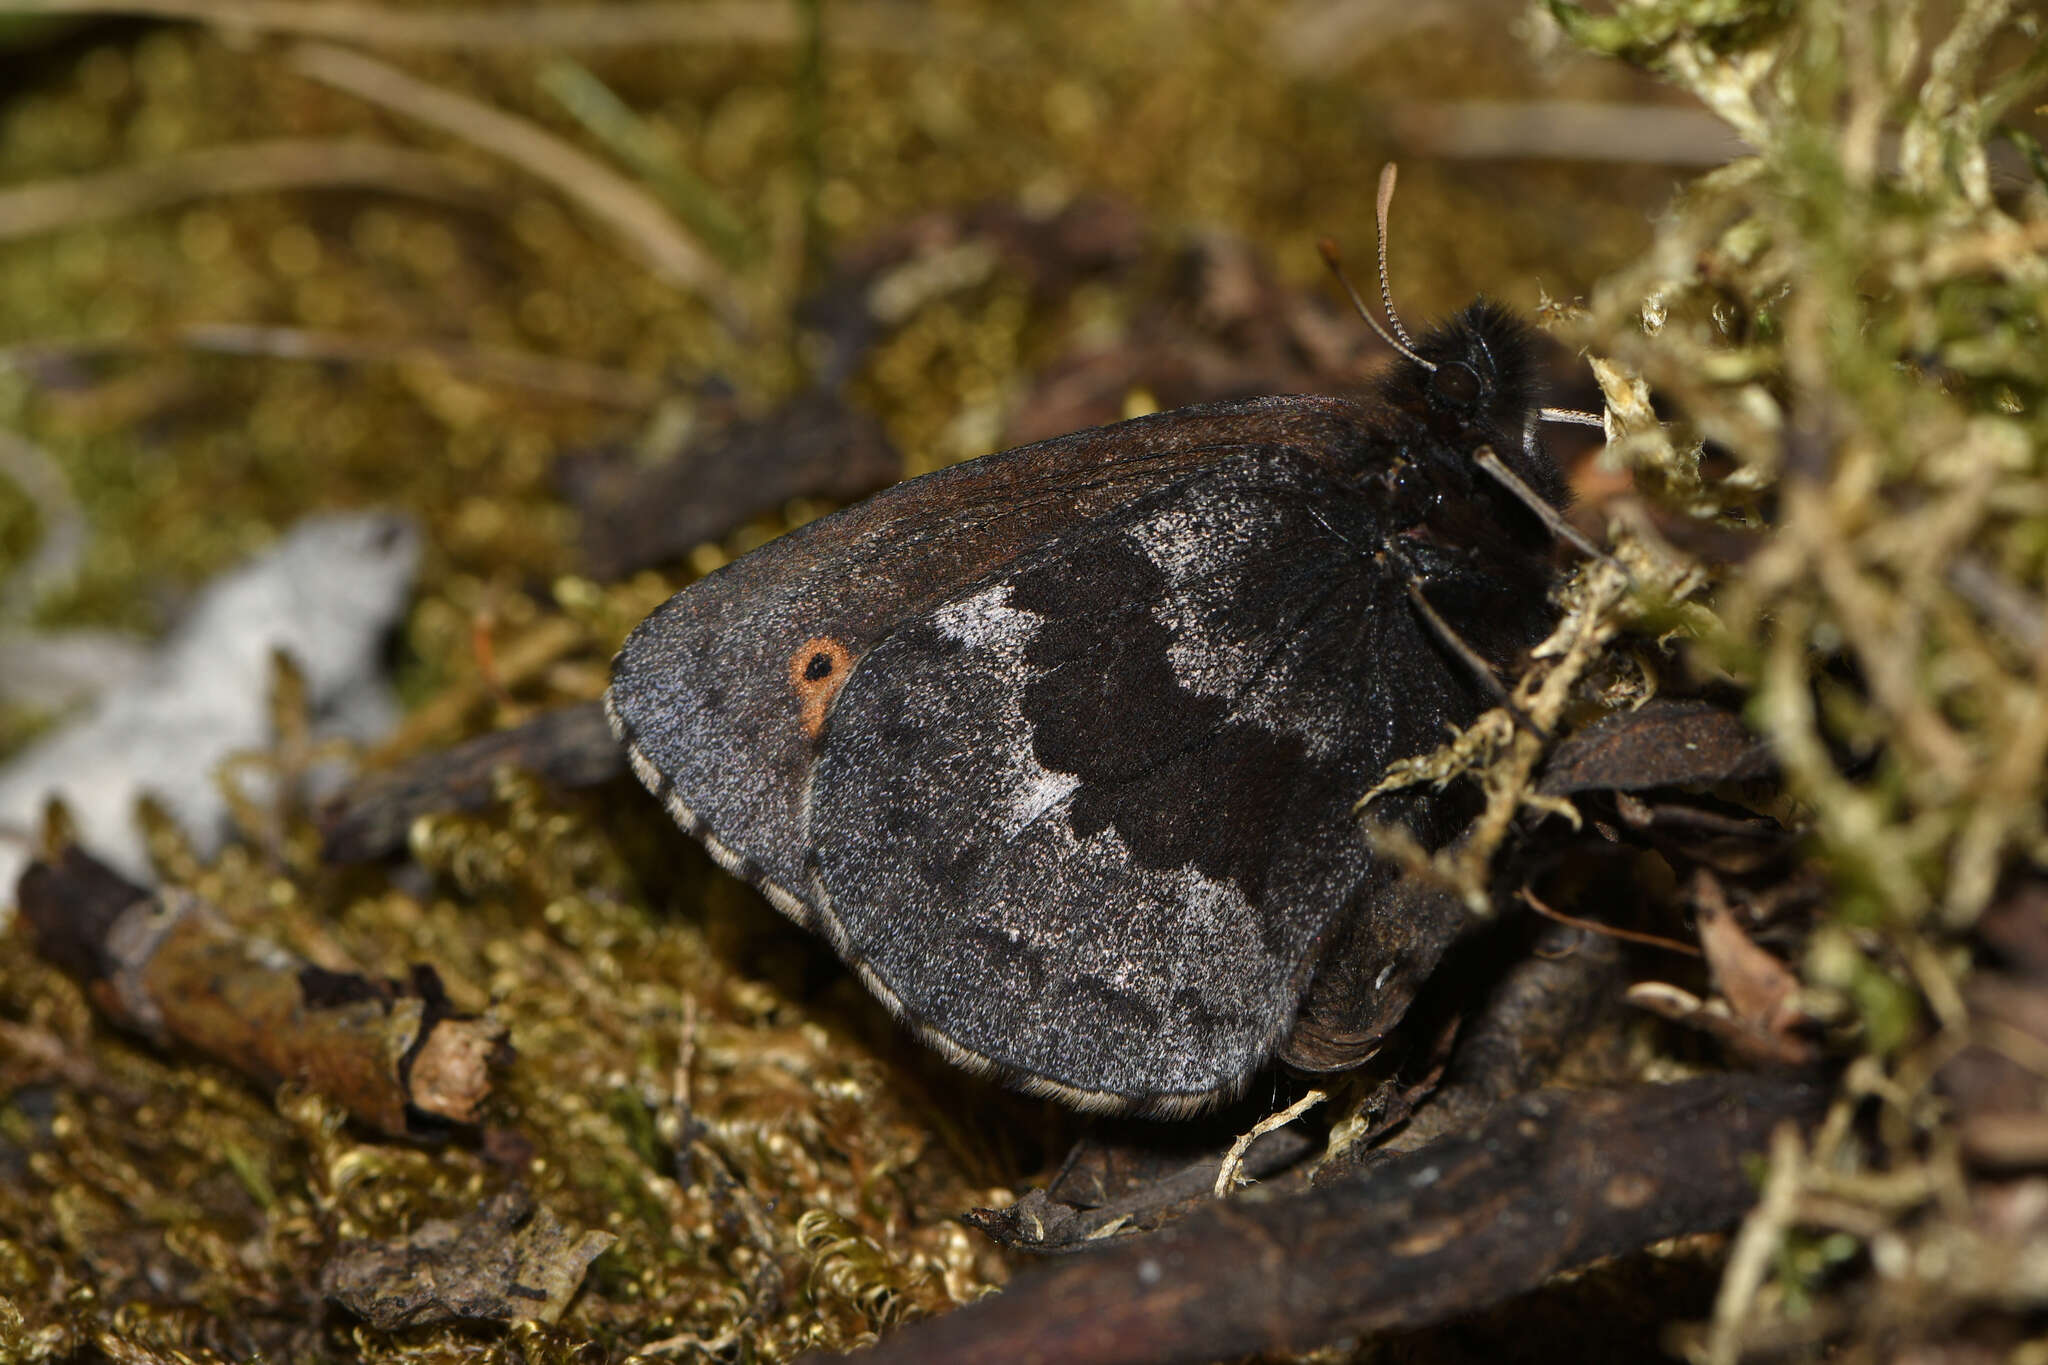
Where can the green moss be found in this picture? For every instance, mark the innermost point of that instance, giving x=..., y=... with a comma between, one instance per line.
x=1846, y=329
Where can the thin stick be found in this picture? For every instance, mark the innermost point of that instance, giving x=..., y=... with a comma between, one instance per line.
x=1229, y=1170
x=1594, y=927
x=245, y=168
x=1756, y=1246
x=1487, y=460
x=1567, y=130
x=724, y=22
x=1386, y=200
x=497, y=365
x=628, y=209
x=502, y=366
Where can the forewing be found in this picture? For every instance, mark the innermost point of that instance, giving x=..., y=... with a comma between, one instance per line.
x=1087, y=822
x=713, y=695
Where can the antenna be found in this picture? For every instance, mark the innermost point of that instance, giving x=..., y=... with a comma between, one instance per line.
x=1329, y=250
x=1572, y=417
x=1387, y=290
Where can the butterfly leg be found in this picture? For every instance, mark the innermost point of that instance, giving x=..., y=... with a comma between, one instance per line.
x=1488, y=460
x=1448, y=636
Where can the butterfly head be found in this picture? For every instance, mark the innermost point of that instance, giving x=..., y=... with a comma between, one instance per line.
x=1467, y=383
x=1471, y=374
x=1470, y=382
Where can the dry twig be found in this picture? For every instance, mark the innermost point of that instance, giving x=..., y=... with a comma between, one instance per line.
x=239, y=168
x=766, y=22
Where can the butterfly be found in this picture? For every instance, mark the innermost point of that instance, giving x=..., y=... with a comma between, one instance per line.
x=1059, y=747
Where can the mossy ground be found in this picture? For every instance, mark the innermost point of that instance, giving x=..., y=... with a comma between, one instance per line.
x=1852, y=319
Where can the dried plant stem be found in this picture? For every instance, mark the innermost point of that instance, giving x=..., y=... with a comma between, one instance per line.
x=1231, y=1169
x=1543, y=692
x=1669, y=945
x=723, y=22
x=632, y=213
x=527, y=370
x=1573, y=130
x=1749, y=1261
x=1502, y=757
x=244, y=168
x=517, y=664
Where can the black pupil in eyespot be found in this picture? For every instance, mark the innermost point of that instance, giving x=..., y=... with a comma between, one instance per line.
x=1457, y=383
x=820, y=666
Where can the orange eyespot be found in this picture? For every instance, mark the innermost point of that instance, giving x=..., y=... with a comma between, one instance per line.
x=817, y=670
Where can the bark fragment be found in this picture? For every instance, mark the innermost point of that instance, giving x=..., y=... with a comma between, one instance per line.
x=168, y=965
x=636, y=516
x=1554, y=1180
x=1663, y=743
x=570, y=746
x=508, y=1259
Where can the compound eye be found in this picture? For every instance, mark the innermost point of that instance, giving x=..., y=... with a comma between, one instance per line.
x=1458, y=383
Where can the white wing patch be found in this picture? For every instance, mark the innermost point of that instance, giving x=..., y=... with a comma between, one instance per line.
x=988, y=621
x=1206, y=548
x=998, y=634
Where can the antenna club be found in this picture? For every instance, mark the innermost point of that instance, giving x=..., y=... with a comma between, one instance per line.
x=1386, y=199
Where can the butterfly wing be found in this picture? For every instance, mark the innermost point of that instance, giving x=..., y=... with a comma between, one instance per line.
x=1089, y=821
x=712, y=694
x=1059, y=747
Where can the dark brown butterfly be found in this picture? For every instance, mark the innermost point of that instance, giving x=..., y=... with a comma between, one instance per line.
x=1059, y=747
